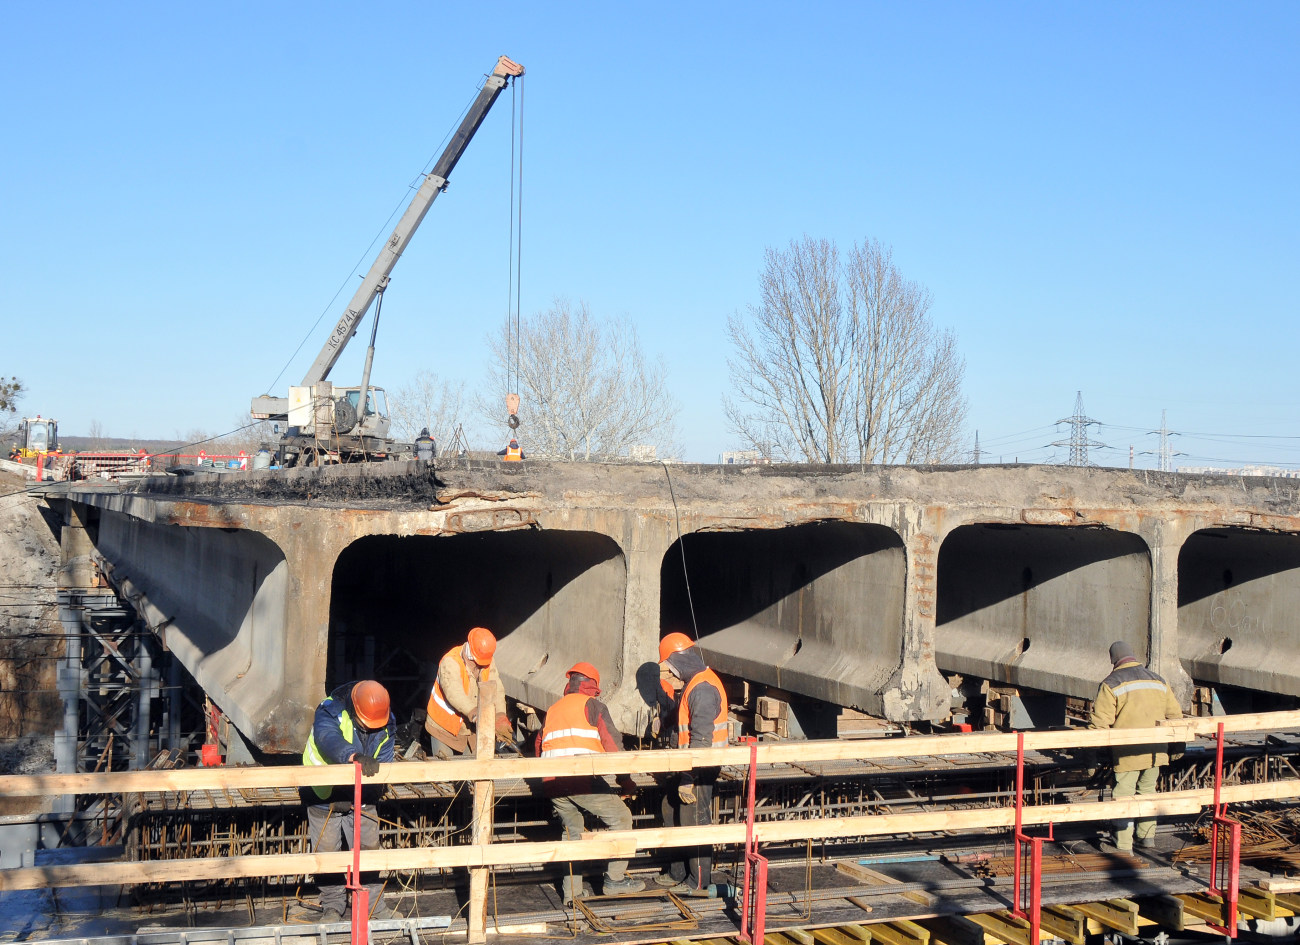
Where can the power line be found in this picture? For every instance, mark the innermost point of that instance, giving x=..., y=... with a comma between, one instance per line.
x=1078, y=442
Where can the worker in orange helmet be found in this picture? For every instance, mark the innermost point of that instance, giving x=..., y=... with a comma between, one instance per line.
x=512, y=453
x=451, y=716
x=701, y=704
x=580, y=724
x=353, y=723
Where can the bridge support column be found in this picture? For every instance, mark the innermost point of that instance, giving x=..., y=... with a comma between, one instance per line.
x=1166, y=542
x=918, y=691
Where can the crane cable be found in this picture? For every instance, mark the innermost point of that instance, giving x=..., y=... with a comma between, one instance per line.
x=516, y=247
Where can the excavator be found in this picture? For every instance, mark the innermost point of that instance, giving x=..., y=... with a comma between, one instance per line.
x=325, y=423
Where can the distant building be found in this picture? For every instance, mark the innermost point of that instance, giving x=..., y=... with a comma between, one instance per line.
x=1272, y=471
x=642, y=453
x=743, y=458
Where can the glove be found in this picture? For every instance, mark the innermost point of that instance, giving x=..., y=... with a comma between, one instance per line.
x=626, y=786
x=369, y=766
x=472, y=718
x=686, y=793
x=655, y=725
x=505, y=730
x=1177, y=750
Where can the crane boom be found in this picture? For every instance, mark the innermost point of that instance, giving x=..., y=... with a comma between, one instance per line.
x=436, y=181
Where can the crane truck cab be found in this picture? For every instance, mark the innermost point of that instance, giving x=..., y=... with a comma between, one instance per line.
x=325, y=424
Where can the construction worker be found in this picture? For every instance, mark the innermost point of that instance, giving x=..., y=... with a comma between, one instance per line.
x=512, y=453
x=425, y=447
x=701, y=703
x=451, y=716
x=580, y=724
x=354, y=723
x=1132, y=696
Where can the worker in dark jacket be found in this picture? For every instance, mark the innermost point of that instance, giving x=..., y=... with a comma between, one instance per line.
x=701, y=706
x=354, y=723
x=580, y=724
x=1132, y=696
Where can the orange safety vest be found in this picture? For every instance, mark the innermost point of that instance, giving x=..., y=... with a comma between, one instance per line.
x=439, y=709
x=684, y=711
x=513, y=454
x=567, y=731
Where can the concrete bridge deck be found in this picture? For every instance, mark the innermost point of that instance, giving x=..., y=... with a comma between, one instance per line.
x=857, y=587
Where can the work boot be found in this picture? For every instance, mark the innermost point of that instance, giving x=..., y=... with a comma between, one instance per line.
x=568, y=885
x=1147, y=843
x=666, y=879
x=330, y=915
x=627, y=884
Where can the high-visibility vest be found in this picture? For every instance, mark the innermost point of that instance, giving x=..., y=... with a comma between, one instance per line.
x=311, y=754
x=514, y=454
x=439, y=709
x=684, y=711
x=567, y=731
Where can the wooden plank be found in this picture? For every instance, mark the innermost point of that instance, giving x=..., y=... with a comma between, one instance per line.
x=953, y=930
x=1277, y=885
x=1205, y=907
x=1003, y=927
x=833, y=937
x=485, y=746
x=1118, y=914
x=873, y=878
x=900, y=932
x=777, y=938
x=802, y=936
x=861, y=933
x=1256, y=903
x=1064, y=923
x=1164, y=911
x=1288, y=901
x=647, y=761
x=619, y=844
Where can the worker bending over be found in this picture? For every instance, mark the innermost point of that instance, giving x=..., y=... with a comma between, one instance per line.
x=451, y=716
x=352, y=724
x=1132, y=696
x=701, y=723
x=580, y=724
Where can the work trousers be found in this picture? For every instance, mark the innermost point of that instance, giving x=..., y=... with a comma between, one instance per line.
x=446, y=745
x=606, y=807
x=331, y=829
x=696, y=866
x=1129, y=784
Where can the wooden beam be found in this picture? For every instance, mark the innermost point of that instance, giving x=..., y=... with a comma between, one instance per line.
x=1205, y=907
x=1118, y=914
x=900, y=932
x=802, y=936
x=1288, y=901
x=1064, y=923
x=647, y=762
x=1004, y=927
x=872, y=878
x=1257, y=903
x=833, y=937
x=620, y=844
x=1164, y=911
x=1277, y=885
x=485, y=746
x=861, y=933
x=953, y=930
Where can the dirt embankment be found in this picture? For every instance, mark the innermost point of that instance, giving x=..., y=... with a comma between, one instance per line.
x=30, y=633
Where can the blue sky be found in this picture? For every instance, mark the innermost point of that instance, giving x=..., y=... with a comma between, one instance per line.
x=1101, y=197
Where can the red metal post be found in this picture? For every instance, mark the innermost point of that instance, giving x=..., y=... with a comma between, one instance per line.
x=1225, y=866
x=1027, y=901
x=360, y=894
x=753, y=910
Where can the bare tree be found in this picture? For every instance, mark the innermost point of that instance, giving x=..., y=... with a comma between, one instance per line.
x=840, y=362
x=586, y=388
x=11, y=391
x=96, y=435
x=427, y=402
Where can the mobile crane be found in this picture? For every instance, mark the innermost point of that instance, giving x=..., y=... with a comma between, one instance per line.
x=326, y=423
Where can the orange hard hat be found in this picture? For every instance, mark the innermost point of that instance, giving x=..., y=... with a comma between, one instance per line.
x=585, y=669
x=482, y=644
x=674, y=643
x=370, y=701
